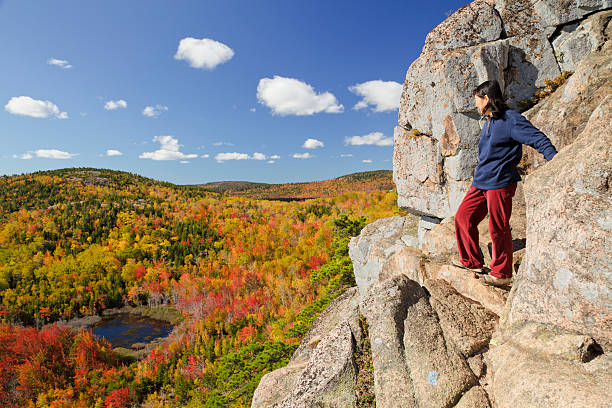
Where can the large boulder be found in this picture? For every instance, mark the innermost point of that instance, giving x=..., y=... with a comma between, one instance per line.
x=538, y=366
x=531, y=62
x=420, y=343
x=566, y=277
x=322, y=370
x=328, y=380
x=384, y=307
x=382, y=249
x=467, y=323
x=475, y=23
x=435, y=144
x=440, y=375
x=575, y=41
x=523, y=17
x=563, y=115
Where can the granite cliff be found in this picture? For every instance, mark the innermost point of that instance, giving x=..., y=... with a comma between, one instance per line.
x=437, y=336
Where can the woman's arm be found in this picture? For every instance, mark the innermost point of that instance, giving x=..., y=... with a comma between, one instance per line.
x=524, y=132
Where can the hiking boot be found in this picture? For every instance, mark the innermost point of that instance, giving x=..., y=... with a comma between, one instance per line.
x=457, y=262
x=494, y=281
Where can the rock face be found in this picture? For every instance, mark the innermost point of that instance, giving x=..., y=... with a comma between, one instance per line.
x=572, y=104
x=439, y=337
x=576, y=41
x=566, y=277
x=322, y=370
x=536, y=366
x=381, y=250
x=421, y=343
x=435, y=144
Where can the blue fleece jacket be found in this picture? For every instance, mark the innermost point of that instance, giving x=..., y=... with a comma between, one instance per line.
x=501, y=147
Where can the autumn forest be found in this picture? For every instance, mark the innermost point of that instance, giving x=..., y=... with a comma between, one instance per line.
x=248, y=277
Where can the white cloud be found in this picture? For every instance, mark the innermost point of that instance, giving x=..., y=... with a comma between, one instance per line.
x=222, y=144
x=53, y=154
x=112, y=105
x=380, y=95
x=374, y=138
x=346, y=155
x=306, y=155
x=26, y=106
x=24, y=156
x=204, y=53
x=169, y=150
x=312, y=144
x=221, y=157
x=270, y=161
x=184, y=161
x=154, y=111
x=275, y=156
x=205, y=156
x=59, y=63
x=289, y=96
x=111, y=152
x=367, y=161
x=252, y=109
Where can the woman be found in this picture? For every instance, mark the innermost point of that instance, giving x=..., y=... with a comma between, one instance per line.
x=494, y=184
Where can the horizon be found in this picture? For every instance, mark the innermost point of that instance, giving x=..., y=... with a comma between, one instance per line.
x=207, y=92
x=195, y=184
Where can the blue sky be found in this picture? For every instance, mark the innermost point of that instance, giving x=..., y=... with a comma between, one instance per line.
x=197, y=91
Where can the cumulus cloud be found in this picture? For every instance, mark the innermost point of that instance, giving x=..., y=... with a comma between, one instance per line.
x=24, y=156
x=367, y=161
x=346, y=155
x=205, y=156
x=59, y=63
x=111, y=152
x=380, y=95
x=221, y=157
x=53, y=154
x=271, y=161
x=112, y=105
x=306, y=155
x=289, y=96
x=275, y=156
x=374, y=138
x=184, y=161
x=312, y=144
x=222, y=144
x=203, y=53
x=26, y=106
x=154, y=111
x=169, y=150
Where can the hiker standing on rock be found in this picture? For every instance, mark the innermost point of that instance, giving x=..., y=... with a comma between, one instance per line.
x=494, y=184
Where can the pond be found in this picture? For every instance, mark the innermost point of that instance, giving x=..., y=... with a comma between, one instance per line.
x=125, y=329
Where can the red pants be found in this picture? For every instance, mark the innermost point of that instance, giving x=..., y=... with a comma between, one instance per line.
x=472, y=210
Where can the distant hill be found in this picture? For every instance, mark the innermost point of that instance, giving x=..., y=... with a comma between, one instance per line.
x=363, y=181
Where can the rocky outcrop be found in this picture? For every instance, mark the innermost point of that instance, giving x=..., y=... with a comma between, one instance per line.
x=439, y=337
x=577, y=40
x=539, y=366
x=421, y=342
x=563, y=115
x=322, y=370
x=435, y=144
x=566, y=277
x=382, y=248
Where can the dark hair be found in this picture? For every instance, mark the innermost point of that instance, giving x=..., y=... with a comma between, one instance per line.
x=497, y=104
